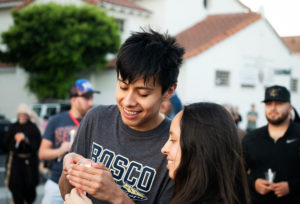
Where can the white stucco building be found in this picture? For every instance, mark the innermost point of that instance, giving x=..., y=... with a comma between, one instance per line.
x=231, y=55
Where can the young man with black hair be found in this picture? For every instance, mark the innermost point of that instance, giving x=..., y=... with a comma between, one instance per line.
x=272, y=153
x=59, y=134
x=126, y=139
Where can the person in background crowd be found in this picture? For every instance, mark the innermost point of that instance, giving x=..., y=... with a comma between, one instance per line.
x=171, y=107
x=295, y=116
x=125, y=139
x=272, y=153
x=241, y=133
x=60, y=133
x=204, y=157
x=22, y=140
x=237, y=116
x=251, y=119
x=45, y=123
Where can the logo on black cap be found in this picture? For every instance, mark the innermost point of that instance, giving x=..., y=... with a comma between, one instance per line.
x=277, y=93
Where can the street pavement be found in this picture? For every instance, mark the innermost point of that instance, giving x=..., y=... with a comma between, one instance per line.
x=5, y=197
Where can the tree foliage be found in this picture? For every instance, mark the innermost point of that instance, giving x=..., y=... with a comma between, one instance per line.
x=56, y=44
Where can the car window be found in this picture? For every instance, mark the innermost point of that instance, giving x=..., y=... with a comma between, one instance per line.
x=51, y=111
x=65, y=107
x=37, y=110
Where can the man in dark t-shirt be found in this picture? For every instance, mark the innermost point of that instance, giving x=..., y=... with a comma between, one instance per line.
x=125, y=140
x=60, y=133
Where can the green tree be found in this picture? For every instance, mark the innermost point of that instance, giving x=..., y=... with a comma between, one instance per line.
x=56, y=44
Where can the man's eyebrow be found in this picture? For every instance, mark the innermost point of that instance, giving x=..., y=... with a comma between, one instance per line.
x=138, y=87
x=145, y=87
x=123, y=81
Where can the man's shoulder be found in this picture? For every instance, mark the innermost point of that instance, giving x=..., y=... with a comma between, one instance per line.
x=296, y=127
x=254, y=134
x=102, y=111
x=59, y=116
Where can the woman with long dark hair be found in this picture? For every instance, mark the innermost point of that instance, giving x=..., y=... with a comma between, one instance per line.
x=205, y=157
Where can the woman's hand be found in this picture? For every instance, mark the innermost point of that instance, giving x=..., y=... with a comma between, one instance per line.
x=76, y=197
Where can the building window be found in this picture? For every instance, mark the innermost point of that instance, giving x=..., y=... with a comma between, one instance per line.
x=250, y=86
x=222, y=78
x=121, y=24
x=294, y=85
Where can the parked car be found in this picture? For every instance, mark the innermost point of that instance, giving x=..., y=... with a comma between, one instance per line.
x=4, y=126
x=49, y=109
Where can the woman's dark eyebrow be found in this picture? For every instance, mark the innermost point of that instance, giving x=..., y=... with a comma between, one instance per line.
x=171, y=133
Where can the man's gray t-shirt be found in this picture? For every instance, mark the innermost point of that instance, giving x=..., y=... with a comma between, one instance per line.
x=134, y=158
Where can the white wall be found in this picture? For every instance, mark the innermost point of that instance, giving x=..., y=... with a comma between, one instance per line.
x=132, y=22
x=174, y=15
x=255, y=47
x=105, y=81
x=221, y=6
x=180, y=15
x=296, y=74
x=13, y=91
x=5, y=19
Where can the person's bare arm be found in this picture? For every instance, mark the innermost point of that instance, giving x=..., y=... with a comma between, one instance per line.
x=64, y=186
x=47, y=152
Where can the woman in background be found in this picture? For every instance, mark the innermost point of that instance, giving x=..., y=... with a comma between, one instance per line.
x=22, y=140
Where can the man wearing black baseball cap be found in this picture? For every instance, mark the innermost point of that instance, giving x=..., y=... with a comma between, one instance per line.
x=60, y=133
x=272, y=152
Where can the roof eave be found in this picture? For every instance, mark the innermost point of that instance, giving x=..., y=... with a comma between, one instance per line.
x=10, y=4
x=125, y=9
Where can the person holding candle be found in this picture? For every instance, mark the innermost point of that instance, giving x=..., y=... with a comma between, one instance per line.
x=22, y=141
x=60, y=133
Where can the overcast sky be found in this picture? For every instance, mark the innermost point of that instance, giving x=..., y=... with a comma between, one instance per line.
x=284, y=15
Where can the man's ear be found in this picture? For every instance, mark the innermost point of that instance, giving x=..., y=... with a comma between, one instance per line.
x=72, y=99
x=169, y=92
x=291, y=107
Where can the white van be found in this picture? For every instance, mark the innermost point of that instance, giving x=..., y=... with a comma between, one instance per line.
x=49, y=109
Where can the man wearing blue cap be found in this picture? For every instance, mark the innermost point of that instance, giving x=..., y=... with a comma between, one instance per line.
x=60, y=133
x=272, y=153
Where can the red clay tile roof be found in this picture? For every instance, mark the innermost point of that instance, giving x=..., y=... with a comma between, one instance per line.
x=293, y=43
x=212, y=30
x=95, y=2
x=24, y=4
x=125, y=3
